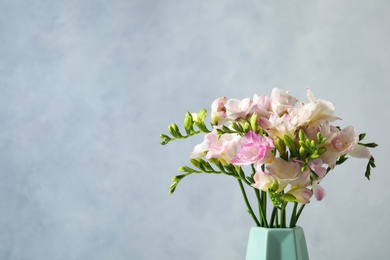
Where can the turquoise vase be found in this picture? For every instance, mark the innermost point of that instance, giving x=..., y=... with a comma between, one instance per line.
x=277, y=244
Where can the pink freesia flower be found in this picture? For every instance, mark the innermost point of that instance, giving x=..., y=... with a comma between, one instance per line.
x=284, y=172
x=254, y=149
x=279, y=126
x=224, y=147
x=342, y=142
x=345, y=140
x=360, y=151
x=260, y=106
x=302, y=195
x=318, y=191
x=237, y=108
x=262, y=180
x=218, y=110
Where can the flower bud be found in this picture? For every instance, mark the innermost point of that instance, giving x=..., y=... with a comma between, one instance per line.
x=174, y=130
x=275, y=198
x=238, y=127
x=274, y=187
x=302, y=135
x=201, y=115
x=254, y=122
x=280, y=146
x=182, y=169
x=320, y=139
x=321, y=150
x=165, y=139
x=288, y=197
x=177, y=178
x=289, y=142
x=247, y=127
x=302, y=151
x=188, y=122
x=195, y=162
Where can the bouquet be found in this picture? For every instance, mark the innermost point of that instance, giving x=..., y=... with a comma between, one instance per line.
x=270, y=144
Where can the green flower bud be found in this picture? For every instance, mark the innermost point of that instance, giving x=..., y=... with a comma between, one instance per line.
x=182, y=169
x=288, y=197
x=274, y=187
x=165, y=139
x=289, y=142
x=302, y=151
x=254, y=122
x=320, y=139
x=321, y=150
x=172, y=187
x=201, y=115
x=171, y=130
x=195, y=162
x=247, y=127
x=280, y=146
x=188, y=123
x=236, y=126
x=275, y=198
x=178, y=178
x=174, y=130
x=302, y=135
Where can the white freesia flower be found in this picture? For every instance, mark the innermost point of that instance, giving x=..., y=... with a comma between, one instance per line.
x=281, y=101
x=314, y=112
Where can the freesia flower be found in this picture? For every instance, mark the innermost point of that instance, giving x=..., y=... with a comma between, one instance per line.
x=237, y=108
x=345, y=140
x=279, y=126
x=342, y=142
x=262, y=180
x=318, y=191
x=224, y=147
x=284, y=171
x=218, y=110
x=281, y=101
x=261, y=106
x=314, y=112
x=360, y=151
x=254, y=149
x=302, y=195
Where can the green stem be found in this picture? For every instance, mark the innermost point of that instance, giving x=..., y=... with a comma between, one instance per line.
x=299, y=213
x=247, y=203
x=264, y=202
x=283, y=215
x=262, y=214
x=273, y=215
x=277, y=218
x=293, y=215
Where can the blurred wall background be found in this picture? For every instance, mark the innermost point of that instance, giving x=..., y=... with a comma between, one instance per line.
x=86, y=87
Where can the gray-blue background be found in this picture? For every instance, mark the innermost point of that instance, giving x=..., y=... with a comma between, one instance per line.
x=86, y=87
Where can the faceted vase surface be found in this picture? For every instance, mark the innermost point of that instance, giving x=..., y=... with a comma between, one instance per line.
x=277, y=244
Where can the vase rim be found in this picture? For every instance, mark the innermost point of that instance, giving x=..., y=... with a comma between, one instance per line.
x=287, y=228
